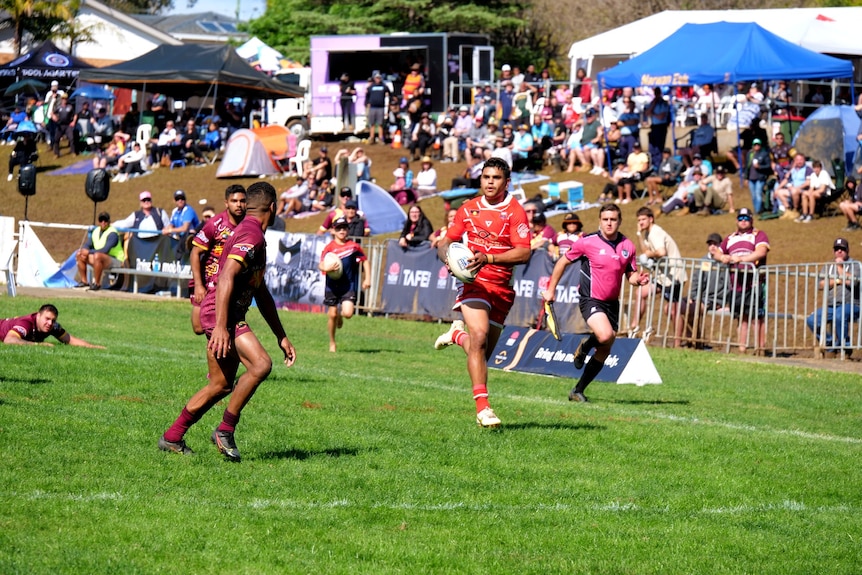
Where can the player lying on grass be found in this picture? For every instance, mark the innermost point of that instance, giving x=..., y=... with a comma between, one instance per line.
x=36, y=327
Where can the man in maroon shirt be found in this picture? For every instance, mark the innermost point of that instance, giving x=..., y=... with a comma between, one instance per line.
x=238, y=280
x=36, y=327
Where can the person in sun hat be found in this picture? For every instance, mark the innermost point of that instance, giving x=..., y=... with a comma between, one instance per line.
x=571, y=230
x=746, y=250
x=426, y=179
x=840, y=279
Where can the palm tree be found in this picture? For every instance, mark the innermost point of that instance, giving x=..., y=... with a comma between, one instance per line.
x=35, y=16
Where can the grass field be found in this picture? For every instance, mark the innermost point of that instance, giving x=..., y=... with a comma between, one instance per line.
x=369, y=461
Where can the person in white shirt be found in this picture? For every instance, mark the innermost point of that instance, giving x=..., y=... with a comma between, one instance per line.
x=426, y=179
x=151, y=220
x=819, y=184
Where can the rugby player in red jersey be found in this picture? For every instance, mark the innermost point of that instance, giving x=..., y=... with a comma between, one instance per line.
x=207, y=247
x=498, y=234
x=606, y=257
x=239, y=279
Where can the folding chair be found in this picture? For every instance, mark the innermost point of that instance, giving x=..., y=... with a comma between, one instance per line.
x=576, y=198
x=303, y=150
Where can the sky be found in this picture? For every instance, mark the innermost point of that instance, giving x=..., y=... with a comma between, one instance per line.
x=248, y=8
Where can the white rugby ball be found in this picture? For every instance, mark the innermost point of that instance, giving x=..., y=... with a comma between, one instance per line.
x=329, y=260
x=458, y=255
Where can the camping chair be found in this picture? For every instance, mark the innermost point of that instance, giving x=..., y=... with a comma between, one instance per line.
x=143, y=135
x=576, y=198
x=303, y=150
x=282, y=161
x=212, y=143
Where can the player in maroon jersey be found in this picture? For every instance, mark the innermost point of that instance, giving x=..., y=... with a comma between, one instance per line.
x=207, y=247
x=238, y=280
x=36, y=327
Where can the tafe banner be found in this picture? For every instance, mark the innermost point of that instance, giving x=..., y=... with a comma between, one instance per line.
x=415, y=282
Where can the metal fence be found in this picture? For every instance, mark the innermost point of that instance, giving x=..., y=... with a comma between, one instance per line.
x=773, y=310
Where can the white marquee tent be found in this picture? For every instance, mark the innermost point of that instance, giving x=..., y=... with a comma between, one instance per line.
x=824, y=30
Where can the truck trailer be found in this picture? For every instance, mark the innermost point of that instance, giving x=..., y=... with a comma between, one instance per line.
x=452, y=63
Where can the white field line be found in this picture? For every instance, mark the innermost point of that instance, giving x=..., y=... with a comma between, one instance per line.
x=611, y=507
x=624, y=411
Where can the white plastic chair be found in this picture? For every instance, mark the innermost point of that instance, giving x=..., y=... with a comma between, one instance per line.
x=6, y=267
x=303, y=149
x=145, y=132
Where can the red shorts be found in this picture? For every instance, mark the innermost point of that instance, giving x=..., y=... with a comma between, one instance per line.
x=498, y=299
x=240, y=328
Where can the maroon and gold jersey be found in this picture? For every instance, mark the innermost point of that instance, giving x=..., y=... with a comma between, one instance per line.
x=247, y=245
x=211, y=239
x=25, y=326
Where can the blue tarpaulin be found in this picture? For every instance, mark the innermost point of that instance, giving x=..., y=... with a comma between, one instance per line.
x=720, y=53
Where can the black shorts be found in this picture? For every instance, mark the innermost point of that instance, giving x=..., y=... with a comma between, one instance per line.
x=591, y=306
x=671, y=293
x=331, y=299
x=743, y=302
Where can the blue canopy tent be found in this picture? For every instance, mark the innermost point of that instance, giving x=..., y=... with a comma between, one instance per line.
x=721, y=53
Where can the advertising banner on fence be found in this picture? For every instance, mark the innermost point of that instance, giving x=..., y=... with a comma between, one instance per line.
x=291, y=269
x=532, y=351
x=142, y=255
x=415, y=282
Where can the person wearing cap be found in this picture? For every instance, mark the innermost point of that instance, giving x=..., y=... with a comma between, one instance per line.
x=345, y=194
x=629, y=122
x=322, y=166
x=414, y=85
x=183, y=219
x=667, y=176
x=426, y=179
x=475, y=141
x=321, y=198
x=446, y=140
x=840, y=279
x=788, y=193
x=851, y=207
x=708, y=291
x=63, y=116
x=357, y=224
x=714, y=193
x=746, y=250
x=149, y=220
x=50, y=101
x=682, y=199
x=541, y=234
x=506, y=101
x=571, y=230
x=819, y=189
x=660, y=250
x=104, y=250
x=607, y=257
x=402, y=188
x=758, y=168
x=461, y=129
x=376, y=95
x=347, y=91
x=340, y=294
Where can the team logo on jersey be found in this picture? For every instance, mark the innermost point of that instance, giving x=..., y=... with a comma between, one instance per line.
x=625, y=253
x=523, y=230
x=474, y=213
x=602, y=252
x=489, y=222
x=504, y=216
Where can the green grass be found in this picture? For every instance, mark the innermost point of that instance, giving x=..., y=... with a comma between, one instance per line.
x=369, y=461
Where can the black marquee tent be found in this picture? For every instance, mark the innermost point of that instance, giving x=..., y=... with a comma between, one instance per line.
x=181, y=72
x=45, y=63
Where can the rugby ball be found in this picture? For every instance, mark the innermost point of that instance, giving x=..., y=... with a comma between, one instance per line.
x=458, y=256
x=330, y=260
